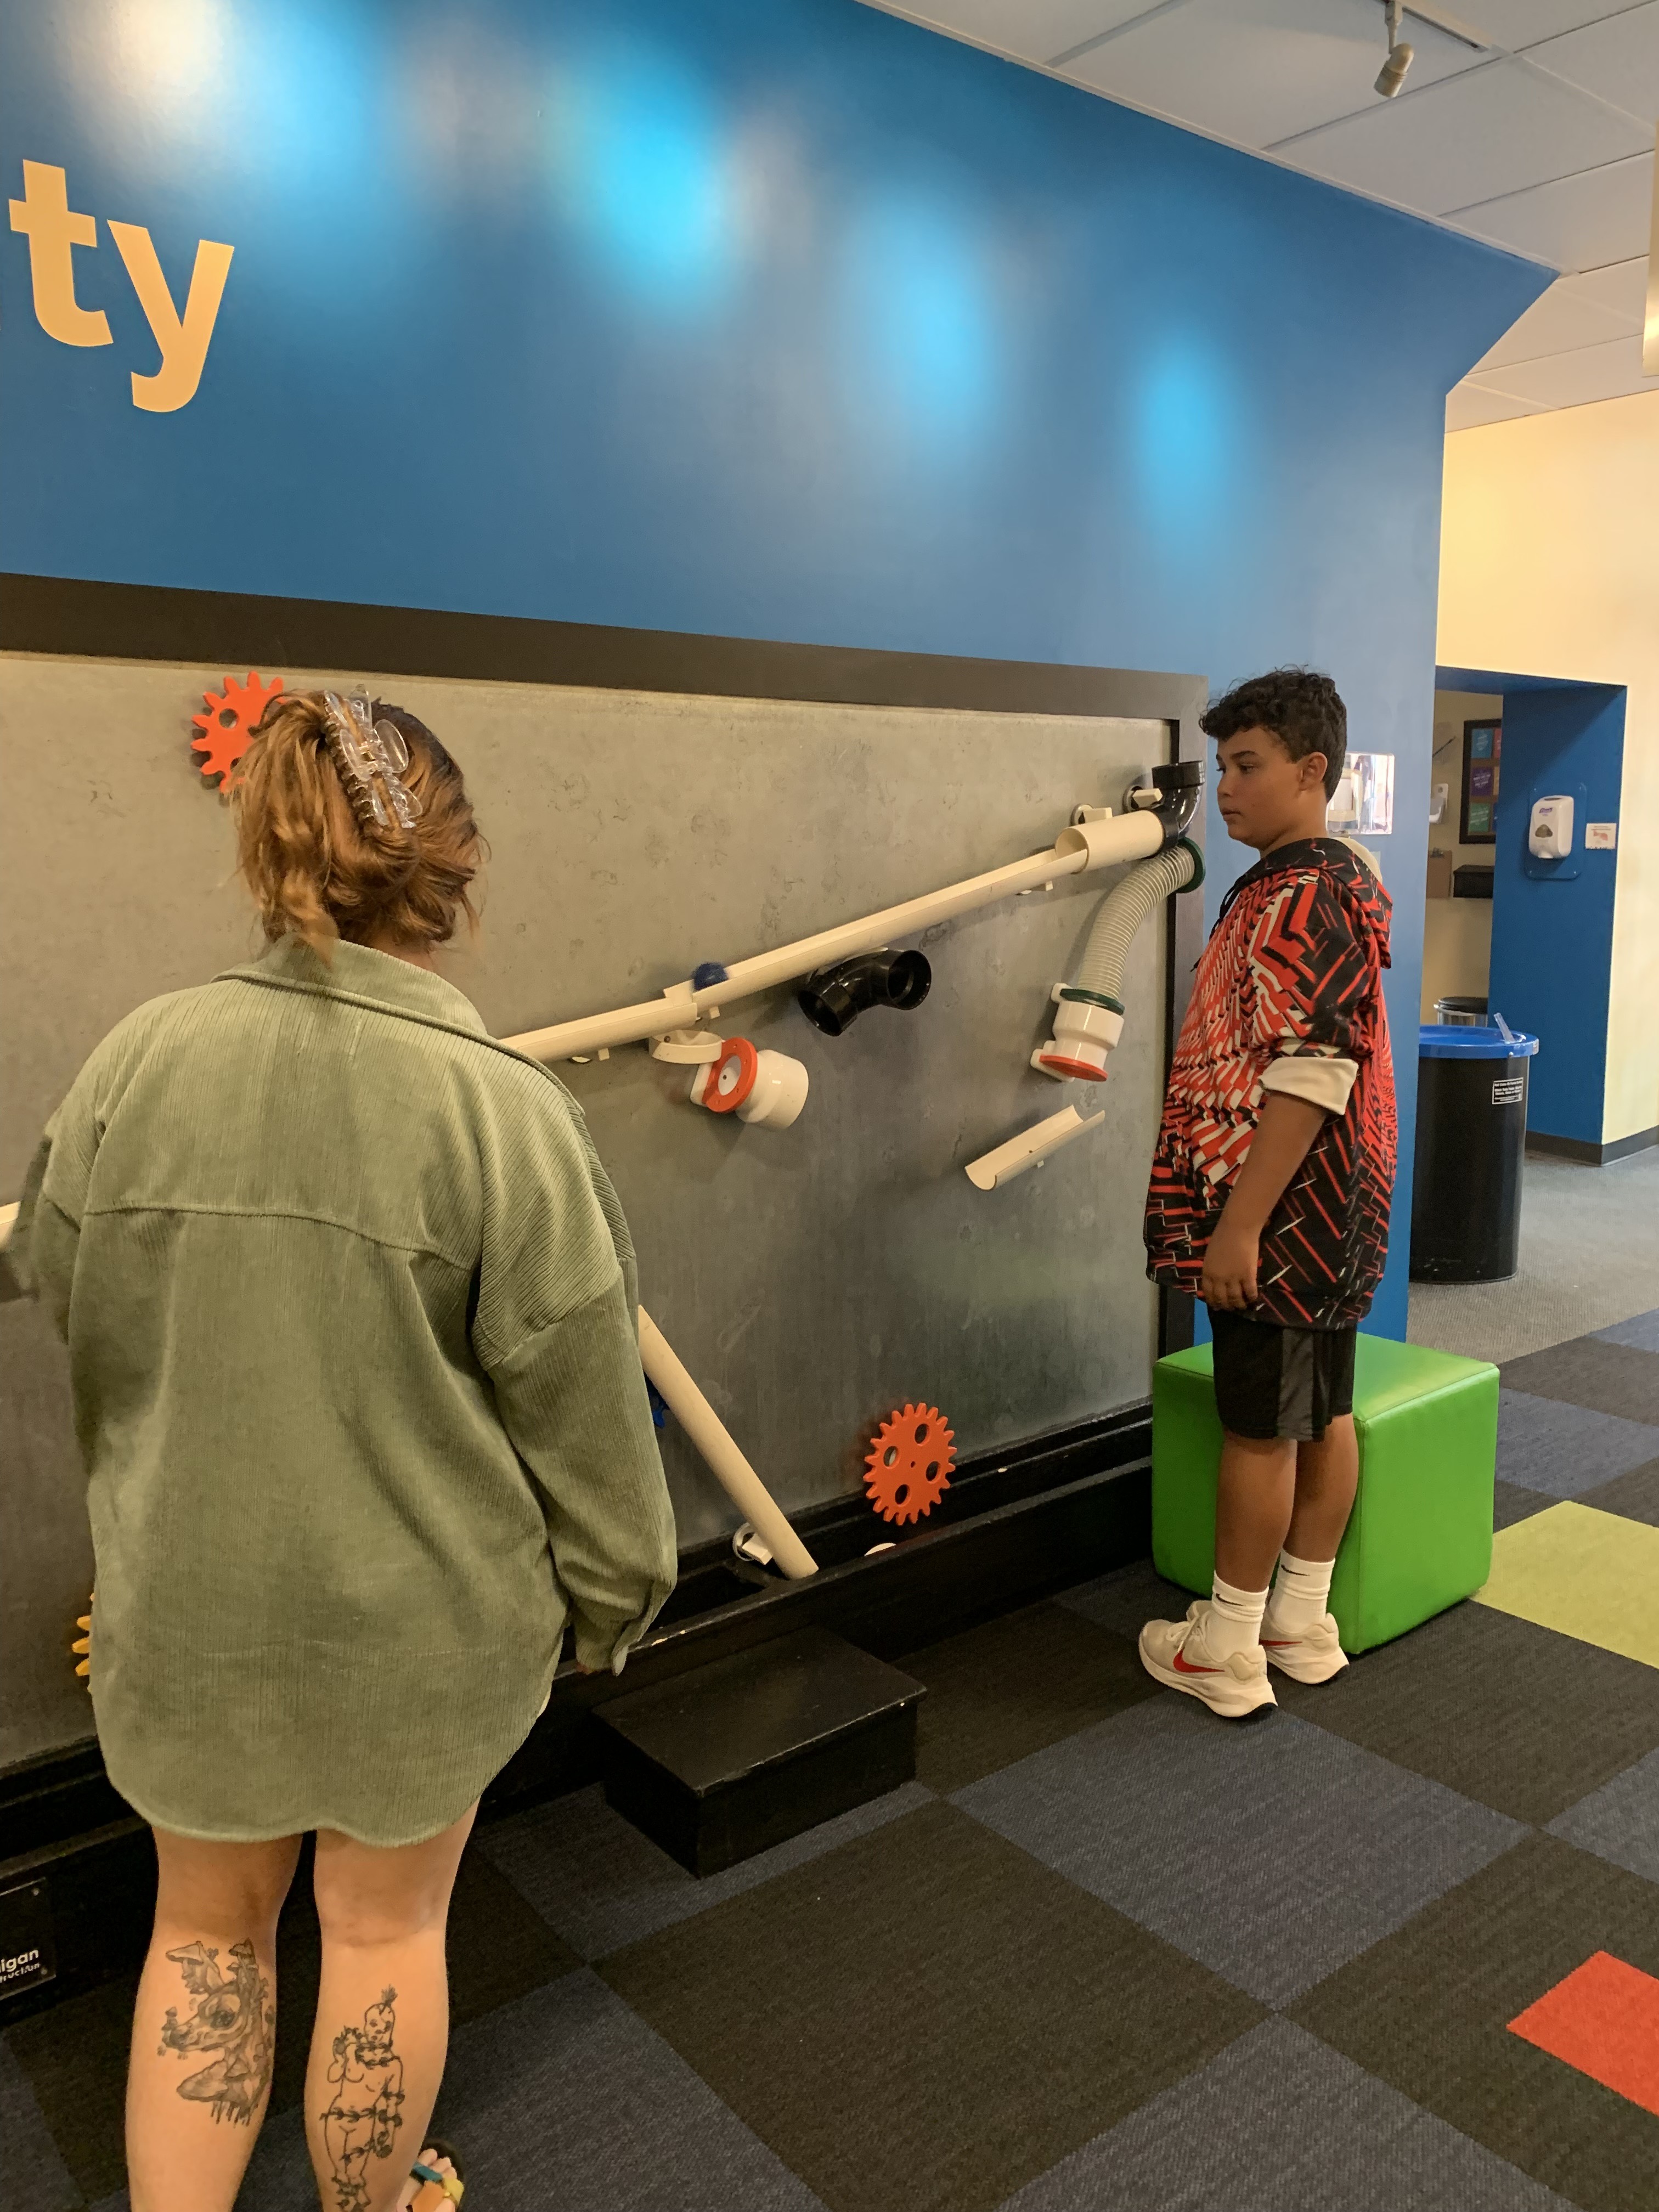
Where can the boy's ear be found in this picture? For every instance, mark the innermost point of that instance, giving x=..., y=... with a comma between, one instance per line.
x=1313, y=766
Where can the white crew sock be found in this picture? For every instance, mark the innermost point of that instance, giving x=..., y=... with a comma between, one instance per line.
x=1235, y=1619
x=1300, y=1590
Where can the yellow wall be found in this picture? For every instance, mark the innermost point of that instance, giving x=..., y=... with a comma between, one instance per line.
x=1549, y=566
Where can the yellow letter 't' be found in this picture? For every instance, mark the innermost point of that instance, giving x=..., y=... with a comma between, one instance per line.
x=44, y=213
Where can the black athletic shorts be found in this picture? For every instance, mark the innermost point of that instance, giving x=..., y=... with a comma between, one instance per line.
x=1274, y=1382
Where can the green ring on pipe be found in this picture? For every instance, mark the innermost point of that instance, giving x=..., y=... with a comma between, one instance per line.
x=1091, y=998
x=1198, y=862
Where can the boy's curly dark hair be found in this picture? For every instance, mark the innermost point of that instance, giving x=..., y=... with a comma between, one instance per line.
x=1303, y=709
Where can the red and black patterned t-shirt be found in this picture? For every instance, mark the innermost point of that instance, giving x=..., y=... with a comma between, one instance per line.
x=1292, y=966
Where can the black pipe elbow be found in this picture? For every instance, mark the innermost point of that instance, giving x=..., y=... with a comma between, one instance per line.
x=833, y=997
x=1180, y=786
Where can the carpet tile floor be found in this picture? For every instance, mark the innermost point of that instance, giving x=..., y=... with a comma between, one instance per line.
x=1393, y=1946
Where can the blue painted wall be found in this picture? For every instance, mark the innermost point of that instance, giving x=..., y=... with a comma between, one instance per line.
x=1552, y=940
x=779, y=318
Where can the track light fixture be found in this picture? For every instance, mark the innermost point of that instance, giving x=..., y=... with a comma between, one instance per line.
x=1392, y=74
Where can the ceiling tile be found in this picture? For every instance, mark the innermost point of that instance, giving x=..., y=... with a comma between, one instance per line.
x=1621, y=287
x=1033, y=29
x=1494, y=129
x=1558, y=323
x=1601, y=215
x=1618, y=60
x=1517, y=23
x=1256, y=71
x=1572, y=379
x=1469, y=406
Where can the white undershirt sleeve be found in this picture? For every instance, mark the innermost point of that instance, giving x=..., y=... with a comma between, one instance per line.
x=1322, y=1082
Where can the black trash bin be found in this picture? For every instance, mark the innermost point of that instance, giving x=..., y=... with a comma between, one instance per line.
x=1470, y=1135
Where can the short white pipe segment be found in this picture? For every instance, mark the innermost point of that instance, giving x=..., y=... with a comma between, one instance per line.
x=1076, y=851
x=8, y=1222
x=725, y=1462
x=1030, y=1148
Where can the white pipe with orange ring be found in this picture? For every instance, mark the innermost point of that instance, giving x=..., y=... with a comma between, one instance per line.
x=725, y=1462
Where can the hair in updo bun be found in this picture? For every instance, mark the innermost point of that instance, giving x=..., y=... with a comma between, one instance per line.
x=317, y=871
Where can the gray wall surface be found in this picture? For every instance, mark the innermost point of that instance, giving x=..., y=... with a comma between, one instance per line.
x=812, y=1278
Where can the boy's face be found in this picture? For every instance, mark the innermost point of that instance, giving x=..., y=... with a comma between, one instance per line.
x=1264, y=795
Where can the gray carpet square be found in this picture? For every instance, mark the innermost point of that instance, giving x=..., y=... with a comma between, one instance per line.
x=1620, y=1820
x=1544, y=1443
x=1006, y=1688
x=593, y=1877
x=1640, y=1333
x=1587, y=1370
x=1515, y=1715
x=924, y=2019
x=1269, y=1849
x=1281, y=2123
x=1126, y=1600
x=37, y=2179
x=567, y=2098
x=1635, y=1495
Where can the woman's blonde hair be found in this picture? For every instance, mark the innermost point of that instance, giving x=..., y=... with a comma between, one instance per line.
x=316, y=870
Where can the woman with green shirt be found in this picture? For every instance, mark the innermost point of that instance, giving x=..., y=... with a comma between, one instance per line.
x=352, y=1320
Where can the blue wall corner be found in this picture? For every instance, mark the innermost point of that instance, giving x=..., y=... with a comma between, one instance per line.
x=771, y=317
x=1552, y=938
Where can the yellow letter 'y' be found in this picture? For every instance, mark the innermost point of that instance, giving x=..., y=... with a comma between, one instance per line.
x=184, y=344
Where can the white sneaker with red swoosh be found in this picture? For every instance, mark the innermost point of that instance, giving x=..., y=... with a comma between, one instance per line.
x=1173, y=1652
x=1314, y=1654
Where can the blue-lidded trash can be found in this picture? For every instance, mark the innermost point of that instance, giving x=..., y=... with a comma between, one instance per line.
x=1471, y=1138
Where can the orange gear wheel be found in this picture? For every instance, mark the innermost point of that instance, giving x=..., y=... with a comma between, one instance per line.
x=228, y=724
x=909, y=1463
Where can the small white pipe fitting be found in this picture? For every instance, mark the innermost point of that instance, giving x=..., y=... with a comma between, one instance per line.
x=765, y=1089
x=725, y=1462
x=1031, y=1148
x=1083, y=1035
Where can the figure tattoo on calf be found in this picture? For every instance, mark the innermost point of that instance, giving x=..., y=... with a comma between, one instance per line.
x=233, y=2017
x=366, y=2110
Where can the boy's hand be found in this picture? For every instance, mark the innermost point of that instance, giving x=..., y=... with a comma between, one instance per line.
x=1230, y=1264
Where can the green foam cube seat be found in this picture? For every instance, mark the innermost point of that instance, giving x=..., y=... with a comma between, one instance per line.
x=1420, y=1537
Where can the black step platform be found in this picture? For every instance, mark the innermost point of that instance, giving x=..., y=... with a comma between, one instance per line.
x=731, y=1758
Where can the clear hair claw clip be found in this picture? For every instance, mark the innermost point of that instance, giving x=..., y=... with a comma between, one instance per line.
x=371, y=757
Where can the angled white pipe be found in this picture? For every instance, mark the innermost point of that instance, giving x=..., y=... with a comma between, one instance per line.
x=1030, y=1148
x=1076, y=851
x=725, y=1462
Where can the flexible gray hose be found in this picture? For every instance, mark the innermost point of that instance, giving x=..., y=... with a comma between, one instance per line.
x=1148, y=883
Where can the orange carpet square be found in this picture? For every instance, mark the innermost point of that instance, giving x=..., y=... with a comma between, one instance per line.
x=1604, y=2020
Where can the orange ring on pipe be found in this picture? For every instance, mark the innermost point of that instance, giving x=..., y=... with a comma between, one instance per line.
x=736, y=1053
x=1081, y=1068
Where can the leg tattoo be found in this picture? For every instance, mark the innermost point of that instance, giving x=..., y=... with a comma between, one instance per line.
x=233, y=2017
x=365, y=2112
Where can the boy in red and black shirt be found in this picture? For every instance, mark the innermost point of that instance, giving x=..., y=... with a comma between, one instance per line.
x=1270, y=1190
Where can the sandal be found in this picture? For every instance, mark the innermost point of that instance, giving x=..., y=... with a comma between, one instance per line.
x=454, y=2186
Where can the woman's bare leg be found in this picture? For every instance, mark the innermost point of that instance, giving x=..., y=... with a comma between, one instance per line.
x=204, y=2032
x=377, y=2054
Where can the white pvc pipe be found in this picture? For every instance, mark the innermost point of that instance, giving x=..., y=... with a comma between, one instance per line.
x=8, y=1222
x=1030, y=1148
x=1075, y=852
x=725, y=1462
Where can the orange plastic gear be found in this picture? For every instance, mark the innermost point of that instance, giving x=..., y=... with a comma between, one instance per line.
x=228, y=724
x=908, y=1463
x=84, y=1645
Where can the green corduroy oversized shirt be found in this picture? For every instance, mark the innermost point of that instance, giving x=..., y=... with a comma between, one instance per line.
x=352, y=1323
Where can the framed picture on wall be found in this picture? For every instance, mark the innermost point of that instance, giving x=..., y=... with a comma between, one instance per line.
x=1483, y=755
